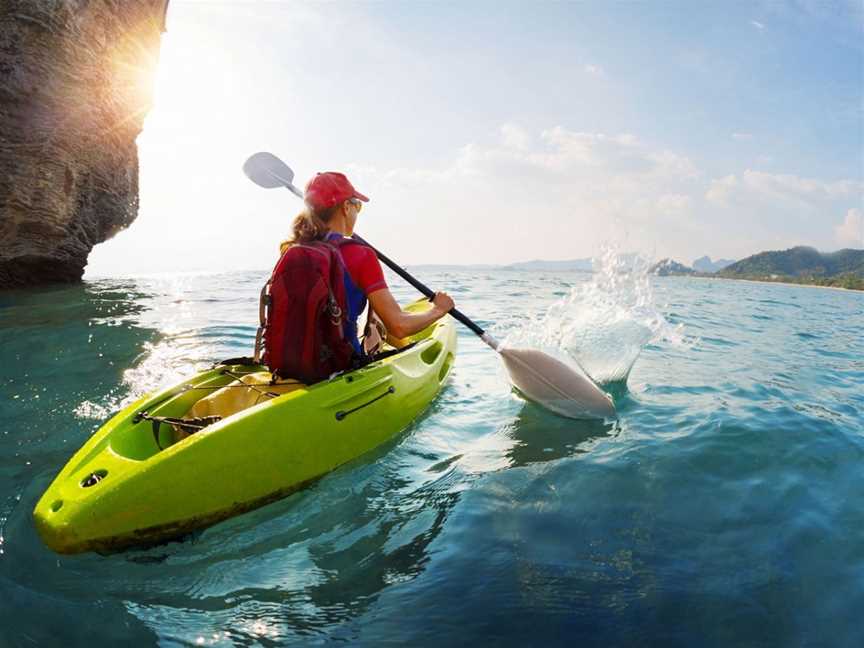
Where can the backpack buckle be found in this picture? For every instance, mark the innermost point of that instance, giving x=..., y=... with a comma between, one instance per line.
x=334, y=310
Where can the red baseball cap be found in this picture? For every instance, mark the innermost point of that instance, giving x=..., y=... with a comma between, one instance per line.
x=330, y=188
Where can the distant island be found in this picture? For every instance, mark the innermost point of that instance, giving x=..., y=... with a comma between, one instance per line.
x=670, y=268
x=581, y=265
x=537, y=265
x=799, y=265
x=705, y=264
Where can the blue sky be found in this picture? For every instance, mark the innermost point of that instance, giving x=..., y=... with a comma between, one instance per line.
x=497, y=132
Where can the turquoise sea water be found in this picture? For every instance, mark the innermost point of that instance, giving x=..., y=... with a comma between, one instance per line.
x=724, y=507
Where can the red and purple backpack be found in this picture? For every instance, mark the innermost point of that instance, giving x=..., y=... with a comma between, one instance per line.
x=303, y=309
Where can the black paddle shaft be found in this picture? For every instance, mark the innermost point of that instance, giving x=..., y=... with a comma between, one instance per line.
x=420, y=286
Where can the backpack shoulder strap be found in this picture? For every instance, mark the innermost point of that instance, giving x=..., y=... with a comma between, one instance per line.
x=264, y=303
x=346, y=240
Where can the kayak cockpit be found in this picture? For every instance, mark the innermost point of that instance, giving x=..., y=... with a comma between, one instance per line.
x=171, y=416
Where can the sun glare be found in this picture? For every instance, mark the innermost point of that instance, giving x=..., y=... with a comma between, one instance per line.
x=190, y=79
x=195, y=112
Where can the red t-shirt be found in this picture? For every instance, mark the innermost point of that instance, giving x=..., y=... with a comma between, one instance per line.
x=364, y=268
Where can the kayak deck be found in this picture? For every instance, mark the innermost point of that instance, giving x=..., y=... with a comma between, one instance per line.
x=136, y=482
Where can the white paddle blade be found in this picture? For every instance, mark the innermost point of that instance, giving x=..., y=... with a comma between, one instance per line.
x=268, y=171
x=555, y=385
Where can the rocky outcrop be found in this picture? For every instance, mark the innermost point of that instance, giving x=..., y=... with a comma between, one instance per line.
x=669, y=267
x=76, y=81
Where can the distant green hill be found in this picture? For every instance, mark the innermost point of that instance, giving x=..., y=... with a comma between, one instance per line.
x=799, y=262
x=802, y=264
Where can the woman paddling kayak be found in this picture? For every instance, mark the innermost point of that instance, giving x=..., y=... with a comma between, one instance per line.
x=332, y=207
x=157, y=469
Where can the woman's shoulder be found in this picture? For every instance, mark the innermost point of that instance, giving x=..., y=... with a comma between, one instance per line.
x=356, y=250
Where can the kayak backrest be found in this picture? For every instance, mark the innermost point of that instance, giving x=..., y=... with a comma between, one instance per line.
x=241, y=394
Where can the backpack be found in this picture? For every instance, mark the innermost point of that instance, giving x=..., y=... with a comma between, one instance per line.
x=302, y=311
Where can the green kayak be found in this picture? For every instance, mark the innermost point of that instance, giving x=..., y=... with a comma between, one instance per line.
x=228, y=440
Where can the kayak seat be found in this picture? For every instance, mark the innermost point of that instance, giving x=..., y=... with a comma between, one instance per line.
x=245, y=391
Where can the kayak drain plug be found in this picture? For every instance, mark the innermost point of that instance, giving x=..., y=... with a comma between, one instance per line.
x=94, y=478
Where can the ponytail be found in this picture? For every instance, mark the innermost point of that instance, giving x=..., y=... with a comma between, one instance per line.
x=309, y=225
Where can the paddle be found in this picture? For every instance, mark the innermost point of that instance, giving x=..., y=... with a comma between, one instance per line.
x=539, y=376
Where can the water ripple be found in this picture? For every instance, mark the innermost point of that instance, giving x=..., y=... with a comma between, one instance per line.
x=722, y=503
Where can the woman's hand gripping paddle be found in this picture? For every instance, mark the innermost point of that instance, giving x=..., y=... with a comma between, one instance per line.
x=542, y=378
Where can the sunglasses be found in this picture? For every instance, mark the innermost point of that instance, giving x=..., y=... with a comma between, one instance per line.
x=356, y=202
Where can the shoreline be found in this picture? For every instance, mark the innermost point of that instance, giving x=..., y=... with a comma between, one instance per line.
x=774, y=283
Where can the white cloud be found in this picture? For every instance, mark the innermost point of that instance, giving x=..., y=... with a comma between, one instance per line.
x=581, y=188
x=802, y=188
x=850, y=233
x=758, y=25
x=515, y=137
x=674, y=203
x=774, y=210
x=742, y=137
x=780, y=189
x=594, y=70
x=569, y=156
x=578, y=188
x=721, y=189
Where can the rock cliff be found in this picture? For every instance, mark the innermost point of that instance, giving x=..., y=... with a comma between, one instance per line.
x=76, y=81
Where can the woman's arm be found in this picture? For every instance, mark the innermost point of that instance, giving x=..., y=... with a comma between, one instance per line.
x=401, y=324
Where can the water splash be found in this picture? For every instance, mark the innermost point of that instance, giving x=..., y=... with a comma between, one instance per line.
x=98, y=412
x=162, y=364
x=604, y=323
